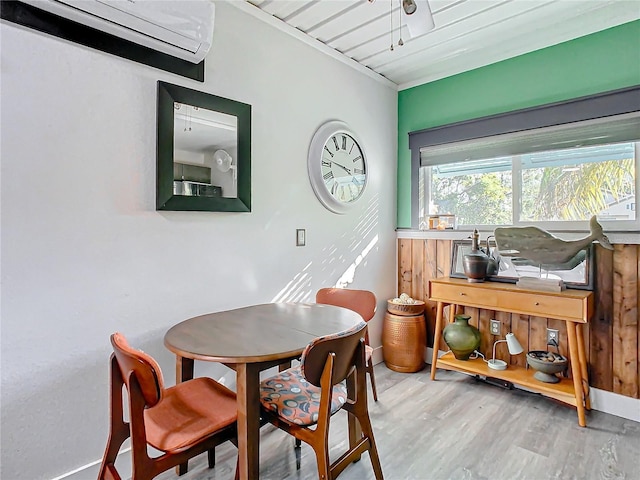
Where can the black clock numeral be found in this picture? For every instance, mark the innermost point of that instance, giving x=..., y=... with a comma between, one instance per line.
x=327, y=176
x=328, y=151
x=344, y=142
x=326, y=163
x=335, y=142
x=351, y=149
x=358, y=170
x=359, y=157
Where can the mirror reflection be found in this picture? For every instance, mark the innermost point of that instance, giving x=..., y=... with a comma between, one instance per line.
x=205, y=152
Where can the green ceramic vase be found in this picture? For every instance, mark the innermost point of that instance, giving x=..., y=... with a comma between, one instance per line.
x=461, y=337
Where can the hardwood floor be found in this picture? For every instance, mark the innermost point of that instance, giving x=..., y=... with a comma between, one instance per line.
x=457, y=428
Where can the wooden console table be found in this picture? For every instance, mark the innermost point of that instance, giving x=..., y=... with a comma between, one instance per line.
x=575, y=307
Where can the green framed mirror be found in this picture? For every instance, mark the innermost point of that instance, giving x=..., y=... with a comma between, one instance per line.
x=203, y=152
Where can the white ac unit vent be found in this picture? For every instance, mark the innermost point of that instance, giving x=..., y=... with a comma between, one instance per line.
x=181, y=28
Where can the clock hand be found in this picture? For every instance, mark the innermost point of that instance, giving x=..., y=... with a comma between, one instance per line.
x=343, y=167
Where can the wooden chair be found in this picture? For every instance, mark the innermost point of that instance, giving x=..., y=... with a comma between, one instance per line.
x=181, y=421
x=360, y=301
x=308, y=395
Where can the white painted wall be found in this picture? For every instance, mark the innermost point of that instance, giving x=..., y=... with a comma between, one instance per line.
x=84, y=253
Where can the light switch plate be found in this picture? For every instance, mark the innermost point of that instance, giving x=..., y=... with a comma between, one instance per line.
x=301, y=237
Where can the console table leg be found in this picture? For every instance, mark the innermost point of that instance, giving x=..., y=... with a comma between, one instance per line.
x=583, y=365
x=436, y=339
x=576, y=372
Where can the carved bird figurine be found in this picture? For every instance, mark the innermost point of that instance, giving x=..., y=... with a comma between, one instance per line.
x=540, y=246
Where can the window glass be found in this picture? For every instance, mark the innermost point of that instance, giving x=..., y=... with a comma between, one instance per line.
x=565, y=185
x=477, y=192
x=574, y=184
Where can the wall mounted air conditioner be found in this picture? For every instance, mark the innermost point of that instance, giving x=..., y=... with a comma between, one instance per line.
x=180, y=28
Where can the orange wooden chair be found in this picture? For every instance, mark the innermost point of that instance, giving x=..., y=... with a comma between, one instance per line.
x=360, y=301
x=306, y=396
x=181, y=421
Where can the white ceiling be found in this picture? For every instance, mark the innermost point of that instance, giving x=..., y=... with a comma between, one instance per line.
x=468, y=33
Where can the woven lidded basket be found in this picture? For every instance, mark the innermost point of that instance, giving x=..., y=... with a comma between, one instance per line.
x=405, y=309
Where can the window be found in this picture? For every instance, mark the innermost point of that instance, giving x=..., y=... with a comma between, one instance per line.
x=566, y=185
x=553, y=166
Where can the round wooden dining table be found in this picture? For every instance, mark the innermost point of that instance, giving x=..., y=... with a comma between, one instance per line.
x=249, y=340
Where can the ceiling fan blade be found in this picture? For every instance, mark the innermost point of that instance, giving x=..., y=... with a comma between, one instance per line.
x=420, y=21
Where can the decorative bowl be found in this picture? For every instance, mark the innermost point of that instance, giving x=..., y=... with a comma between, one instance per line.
x=405, y=309
x=547, y=365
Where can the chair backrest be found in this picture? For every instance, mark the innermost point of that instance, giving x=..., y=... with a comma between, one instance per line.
x=146, y=370
x=360, y=301
x=343, y=345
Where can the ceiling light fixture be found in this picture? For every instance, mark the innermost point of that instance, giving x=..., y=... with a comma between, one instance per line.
x=421, y=21
x=409, y=6
x=418, y=24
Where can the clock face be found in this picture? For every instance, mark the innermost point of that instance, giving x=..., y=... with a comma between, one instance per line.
x=343, y=167
x=337, y=166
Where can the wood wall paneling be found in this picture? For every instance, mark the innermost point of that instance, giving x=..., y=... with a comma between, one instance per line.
x=601, y=340
x=404, y=265
x=612, y=337
x=625, y=320
x=520, y=328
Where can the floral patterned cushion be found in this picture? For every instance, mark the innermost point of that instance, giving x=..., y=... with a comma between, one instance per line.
x=293, y=398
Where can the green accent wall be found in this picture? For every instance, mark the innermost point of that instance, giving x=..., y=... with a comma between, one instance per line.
x=595, y=63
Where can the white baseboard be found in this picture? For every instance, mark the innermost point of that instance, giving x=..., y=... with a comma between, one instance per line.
x=376, y=356
x=601, y=400
x=615, y=404
x=90, y=471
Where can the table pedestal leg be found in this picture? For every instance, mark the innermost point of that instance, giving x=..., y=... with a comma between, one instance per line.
x=248, y=394
x=184, y=372
x=184, y=369
x=576, y=372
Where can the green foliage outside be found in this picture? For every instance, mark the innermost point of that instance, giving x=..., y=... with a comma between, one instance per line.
x=483, y=199
x=548, y=194
x=577, y=194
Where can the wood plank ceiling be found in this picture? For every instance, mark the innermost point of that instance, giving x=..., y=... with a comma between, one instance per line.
x=468, y=33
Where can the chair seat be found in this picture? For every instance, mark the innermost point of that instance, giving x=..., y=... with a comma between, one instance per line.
x=189, y=412
x=290, y=396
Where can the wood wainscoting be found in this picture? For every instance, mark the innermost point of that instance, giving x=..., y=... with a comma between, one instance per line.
x=612, y=337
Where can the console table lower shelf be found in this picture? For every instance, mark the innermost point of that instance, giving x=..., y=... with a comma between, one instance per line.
x=563, y=391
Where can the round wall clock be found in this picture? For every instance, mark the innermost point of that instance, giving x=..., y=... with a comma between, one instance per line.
x=337, y=166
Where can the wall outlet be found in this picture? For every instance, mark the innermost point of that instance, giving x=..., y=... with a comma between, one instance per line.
x=494, y=326
x=553, y=337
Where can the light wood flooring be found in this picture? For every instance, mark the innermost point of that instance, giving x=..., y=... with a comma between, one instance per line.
x=457, y=428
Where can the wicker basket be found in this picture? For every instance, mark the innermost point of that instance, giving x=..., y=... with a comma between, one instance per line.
x=405, y=309
x=404, y=341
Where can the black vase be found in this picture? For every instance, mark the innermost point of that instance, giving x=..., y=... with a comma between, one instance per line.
x=463, y=339
x=475, y=263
